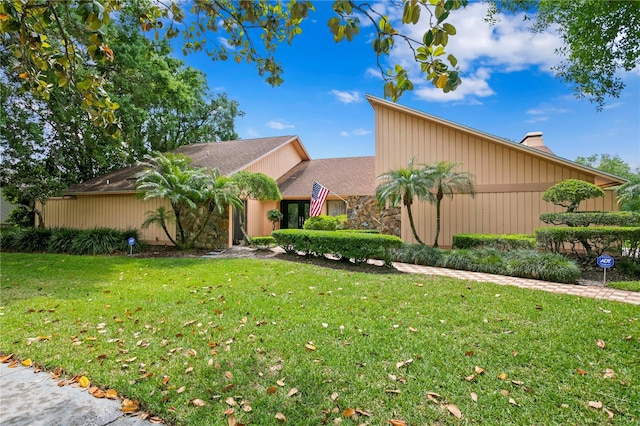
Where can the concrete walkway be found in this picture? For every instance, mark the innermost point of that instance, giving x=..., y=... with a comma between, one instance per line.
x=28, y=398
x=593, y=292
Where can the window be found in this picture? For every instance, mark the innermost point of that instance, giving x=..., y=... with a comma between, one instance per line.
x=336, y=207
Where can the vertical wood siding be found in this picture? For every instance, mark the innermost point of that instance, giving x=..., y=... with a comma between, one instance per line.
x=277, y=163
x=110, y=211
x=509, y=182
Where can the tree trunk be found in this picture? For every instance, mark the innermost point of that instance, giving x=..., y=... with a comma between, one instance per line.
x=413, y=227
x=438, y=200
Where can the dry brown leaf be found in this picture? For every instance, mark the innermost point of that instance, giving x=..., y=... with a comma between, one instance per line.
x=99, y=394
x=280, y=382
x=155, y=420
x=271, y=390
x=413, y=330
x=513, y=402
x=470, y=378
x=581, y=372
x=595, y=404
x=192, y=352
x=281, y=417
x=198, y=402
x=228, y=387
x=231, y=421
x=309, y=346
x=504, y=392
x=363, y=413
x=111, y=394
x=189, y=323
x=478, y=370
x=228, y=375
x=165, y=379
x=502, y=376
x=230, y=401
x=600, y=343
x=453, y=409
x=229, y=411
x=395, y=422
x=292, y=392
x=92, y=390
x=246, y=408
x=129, y=406
x=392, y=390
x=334, y=396
x=188, y=370
x=5, y=359
x=474, y=397
x=609, y=373
x=468, y=353
x=348, y=412
x=517, y=382
x=181, y=389
x=609, y=412
x=83, y=382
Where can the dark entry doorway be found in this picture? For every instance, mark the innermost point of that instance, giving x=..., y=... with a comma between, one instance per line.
x=294, y=214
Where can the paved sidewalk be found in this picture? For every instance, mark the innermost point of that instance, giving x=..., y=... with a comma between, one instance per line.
x=593, y=292
x=34, y=399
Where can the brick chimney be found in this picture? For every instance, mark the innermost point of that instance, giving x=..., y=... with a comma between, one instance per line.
x=534, y=140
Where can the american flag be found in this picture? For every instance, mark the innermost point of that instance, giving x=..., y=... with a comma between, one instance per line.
x=318, y=196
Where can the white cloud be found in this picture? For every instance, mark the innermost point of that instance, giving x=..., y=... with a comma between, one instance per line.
x=355, y=132
x=481, y=50
x=544, y=112
x=279, y=125
x=347, y=97
x=252, y=133
x=613, y=105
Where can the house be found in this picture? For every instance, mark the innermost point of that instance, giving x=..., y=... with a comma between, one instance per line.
x=510, y=180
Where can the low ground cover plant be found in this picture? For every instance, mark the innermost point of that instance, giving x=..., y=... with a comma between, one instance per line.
x=194, y=339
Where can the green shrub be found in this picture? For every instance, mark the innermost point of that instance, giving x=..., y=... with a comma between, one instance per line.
x=612, y=218
x=571, y=192
x=103, y=241
x=502, y=242
x=321, y=223
x=419, y=254
x=599, y=240
x=25, y=240
x=354, y=246
x=630, y=267
x=62, y=239
x=541, y=266
x=263, y=243
x=488, y=260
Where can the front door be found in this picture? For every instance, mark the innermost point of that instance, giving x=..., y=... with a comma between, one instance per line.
x=294, y=214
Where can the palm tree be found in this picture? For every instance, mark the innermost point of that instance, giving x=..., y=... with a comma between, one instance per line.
x=256, y=186
x=170, y=176
x=629, y=194
x=444, y=181
x=404, y=185
x=160, y=217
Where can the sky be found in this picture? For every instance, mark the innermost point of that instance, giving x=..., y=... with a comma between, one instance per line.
x=507, y=90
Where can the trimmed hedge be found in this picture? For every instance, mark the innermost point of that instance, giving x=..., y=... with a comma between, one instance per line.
x=326, y=223
x=263, y=243
x=593, y=240
x=67, y=240
x=349, y=245
x=624, y=219
x=515, y=263
x=503, y=242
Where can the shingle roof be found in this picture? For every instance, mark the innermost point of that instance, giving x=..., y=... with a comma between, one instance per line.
x=228, y=157
x=343, y=176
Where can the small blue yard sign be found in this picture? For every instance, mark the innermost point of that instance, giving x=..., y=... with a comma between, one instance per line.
x=131, y=241
x=605, y=261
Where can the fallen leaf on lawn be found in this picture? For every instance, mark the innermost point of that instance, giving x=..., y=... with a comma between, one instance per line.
x=229, y=411
x=363, y=413
x=474, y=397
x=595, y=404
x=348, y=412
x=228, y=375
x=83, y=381
x=502, y=376
x=281, y=417
x=609, y=373
x=181, y=389
x=581, y=372
x=470, y=378
x=478, y=370
x=600, y=343
x=392, y=390
x=504, y=392
x=334, y=396
x=280, y=382
x=609, y=413
x=99, y=394
x=309, y=346
x=432, y=396
x=27, y=363
x=292, y=392
x=394, y=422
x=228, y=387
x=468, y=353
x=192, y=352
x=198, y=402
x=453, y=409
x=606, y=311
x=413, y=330
x=189, y=323
x=513, y=402
x=231, y=421
x=517, y=382
x=230, y=401
x=5, y=359
x=246, y=408
x=92, y=390
x=629, y=337
x=165, y=379
x=111, y=394
x=129, y=406
x=271, y=390
x=188, y=370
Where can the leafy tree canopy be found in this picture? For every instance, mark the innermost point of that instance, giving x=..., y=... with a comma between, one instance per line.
x=571, y=192
x=607, y=163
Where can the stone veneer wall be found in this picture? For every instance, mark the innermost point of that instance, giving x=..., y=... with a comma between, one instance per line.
x=363, y=212
x=216, y=233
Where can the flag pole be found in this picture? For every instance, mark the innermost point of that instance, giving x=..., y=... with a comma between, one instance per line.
x=345, y=201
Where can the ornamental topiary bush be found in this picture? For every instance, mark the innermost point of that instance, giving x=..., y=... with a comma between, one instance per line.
x=571, y=192
x=502, y=242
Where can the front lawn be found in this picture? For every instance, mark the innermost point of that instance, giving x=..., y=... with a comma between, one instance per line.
x=269, y=338
x=625, y=285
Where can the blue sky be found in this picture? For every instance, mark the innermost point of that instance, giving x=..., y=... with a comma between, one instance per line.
x=507, y=90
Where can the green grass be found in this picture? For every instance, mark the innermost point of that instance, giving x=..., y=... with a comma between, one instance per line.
x=248, y=321
x=625, y=285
